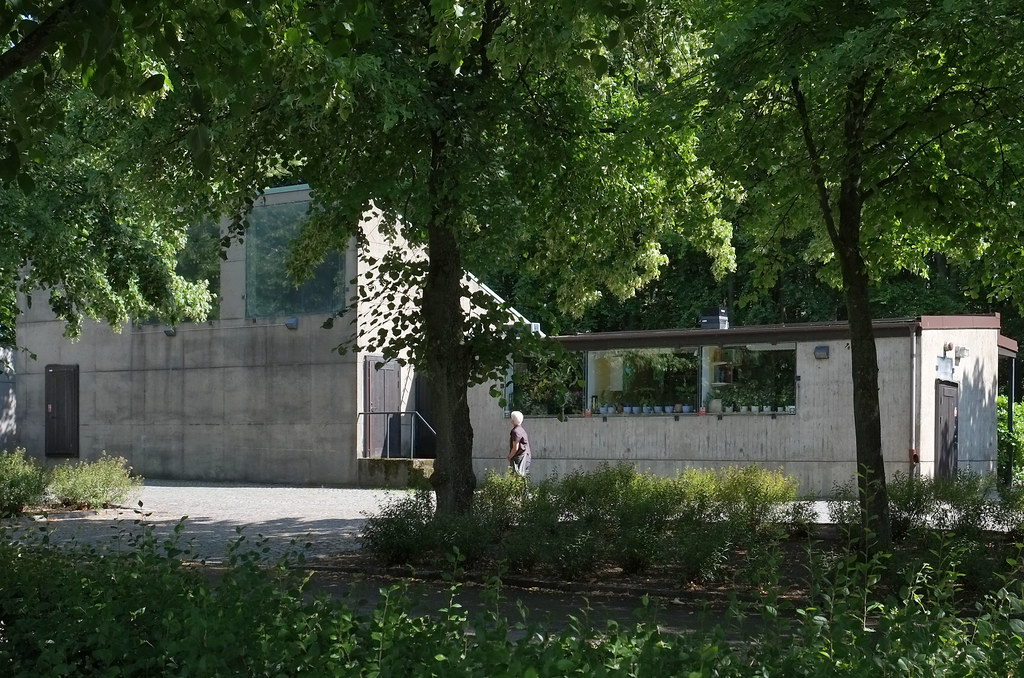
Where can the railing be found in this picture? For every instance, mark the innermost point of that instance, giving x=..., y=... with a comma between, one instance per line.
x=383, y=435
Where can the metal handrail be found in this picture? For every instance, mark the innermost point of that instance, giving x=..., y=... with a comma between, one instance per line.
x=389, y=413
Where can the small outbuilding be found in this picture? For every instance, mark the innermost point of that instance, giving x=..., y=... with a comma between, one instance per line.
x=779, y=396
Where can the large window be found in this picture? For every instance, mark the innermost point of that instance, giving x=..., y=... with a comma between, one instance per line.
x=747, y=378
x=650, y=378
x=269, y=290
x=548, y=386
x=200, y=260
x=750, y=378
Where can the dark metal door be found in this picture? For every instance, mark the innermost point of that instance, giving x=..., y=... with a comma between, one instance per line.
x=383, y=421
x=946, y=397
x=61, y=410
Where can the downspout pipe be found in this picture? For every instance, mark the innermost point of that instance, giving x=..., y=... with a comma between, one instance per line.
x=915, y=457
x=1009, y=420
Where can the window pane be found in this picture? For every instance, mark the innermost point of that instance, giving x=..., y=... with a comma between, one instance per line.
x=653, y=377
x=200, y=260
x=548, y=386
x=755, y=376
x=269, y=291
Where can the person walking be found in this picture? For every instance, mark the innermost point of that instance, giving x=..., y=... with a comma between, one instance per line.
x=519, y=455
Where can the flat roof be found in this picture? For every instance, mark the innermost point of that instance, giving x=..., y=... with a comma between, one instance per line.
x=668, y=338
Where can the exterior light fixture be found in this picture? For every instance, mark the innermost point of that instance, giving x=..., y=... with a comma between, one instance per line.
x=821, y=352
x=292, y=323
x=170, y=331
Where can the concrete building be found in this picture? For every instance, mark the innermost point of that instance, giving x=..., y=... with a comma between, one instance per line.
x=258, y=393
x=708, y=390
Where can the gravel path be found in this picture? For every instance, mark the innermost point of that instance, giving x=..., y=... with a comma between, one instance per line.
x=276, y=518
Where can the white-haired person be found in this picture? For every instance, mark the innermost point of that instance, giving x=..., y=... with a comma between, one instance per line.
x=519, y=455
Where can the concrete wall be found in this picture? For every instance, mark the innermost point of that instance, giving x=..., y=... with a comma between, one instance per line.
x=227, y=400
x=8, y=400
x=233, y=399
x=816, y=444
x=978, y=379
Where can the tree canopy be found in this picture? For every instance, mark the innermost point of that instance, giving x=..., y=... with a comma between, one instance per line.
x=884, y=130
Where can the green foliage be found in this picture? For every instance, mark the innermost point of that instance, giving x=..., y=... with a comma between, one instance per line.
x=142, y=613
x=22, y=482
x=1006, y=439
x=108, y=481
x=613, y=516
x=400, y=532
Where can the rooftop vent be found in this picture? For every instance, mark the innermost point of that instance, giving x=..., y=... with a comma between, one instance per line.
x=715, y=318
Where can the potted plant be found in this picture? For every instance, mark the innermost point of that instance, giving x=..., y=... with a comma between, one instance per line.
x=728, y=400
x=646, y=395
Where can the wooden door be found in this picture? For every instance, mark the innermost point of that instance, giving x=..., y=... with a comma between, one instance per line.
x=383, y=403
x=946, y=398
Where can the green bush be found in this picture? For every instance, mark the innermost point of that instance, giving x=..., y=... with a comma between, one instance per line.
x=754, y=499
x=141, y=614
x=911, y=504
x=640, y=521
x=401, y=534
x=98, y=484
x=1005, y=439
x=22, y=482
x=964, y=503
x=611, y=516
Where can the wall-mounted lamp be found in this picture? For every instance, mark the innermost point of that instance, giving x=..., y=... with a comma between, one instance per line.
x=821, y=352
x=292, y=323
x=170, y=331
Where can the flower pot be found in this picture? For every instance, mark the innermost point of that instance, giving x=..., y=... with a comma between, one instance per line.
x=687, y=408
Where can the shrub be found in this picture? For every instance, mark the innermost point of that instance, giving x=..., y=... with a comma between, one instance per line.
x=537, y=527
x=755, y=499
x=401, y=533
x=22, y=482
x=105, y=482
x=700, y=549
x=1005, y=439
x=468, y=533
x=963, y=503
x=1009, y=510
x=644, y=511
x=911, y=502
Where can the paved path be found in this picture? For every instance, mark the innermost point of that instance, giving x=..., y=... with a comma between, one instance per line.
x=328, y=519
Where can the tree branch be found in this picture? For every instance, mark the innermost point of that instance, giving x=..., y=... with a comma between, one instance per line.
x=814, y=155
x=27, y=50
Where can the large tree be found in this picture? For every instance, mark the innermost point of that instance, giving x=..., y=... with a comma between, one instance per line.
x=479, y=130
x=886, y=129
x=81, y=224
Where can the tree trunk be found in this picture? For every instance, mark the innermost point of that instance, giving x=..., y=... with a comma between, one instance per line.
x=871, y=486
x=448, y=362
x=845, y=237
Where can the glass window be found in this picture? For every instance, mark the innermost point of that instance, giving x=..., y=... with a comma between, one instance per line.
x=269, y=290
x=548, y=386
x=200, y=260
x=750, y=378
x=659, y=379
